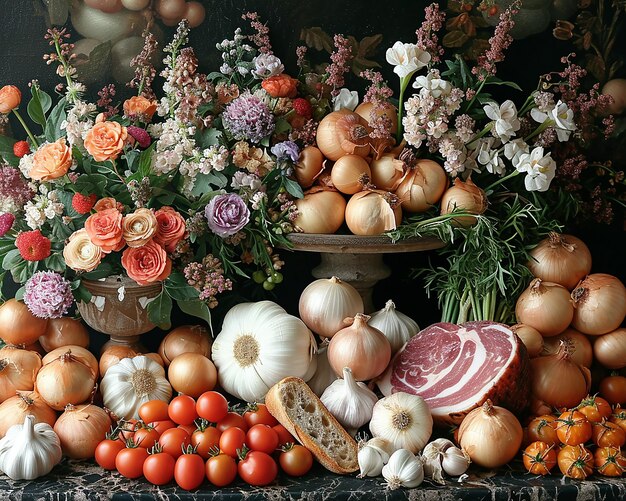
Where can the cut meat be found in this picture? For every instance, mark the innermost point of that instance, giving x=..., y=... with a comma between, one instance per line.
x=456, y=368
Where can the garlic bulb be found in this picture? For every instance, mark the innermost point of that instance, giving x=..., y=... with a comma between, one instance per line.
x=397, y=327
x=350, y=402
x=455, y=461
x=404, y=469
x=402, y=419
x=432, y=455
x=324, y=374
x=370, y=462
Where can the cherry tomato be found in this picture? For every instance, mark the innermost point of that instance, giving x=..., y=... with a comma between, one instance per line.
x=159, y=468
x=573, y=428
x=619, y=417
x=106, y=451
x=189, y=471
x=127, y=430
x=613, y=389
x=173, y=440
x=231, y=440
x=258, y=414
x=284, y=437
x=543, y=429
x=575, y=461
x=231, y=420
x=595, y=408
x=212, y=406
x=607, y=434
x=129, y=461
x=206, y=438
x=297, y=460
x=189, y=428
x=539, y=458
x=154, y=410
x=609, y=461
x=221, y=470
x=262, y=437
x=161, y=426
x=182, y=409
x=146, y=437
x=257, y=468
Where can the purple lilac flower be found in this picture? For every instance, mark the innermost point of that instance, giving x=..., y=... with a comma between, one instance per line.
x=6, y=223
x=286, y=151
x=247, y=117
x=48, y=295
x=140, y=135
x=226, y=214
x=14, y=187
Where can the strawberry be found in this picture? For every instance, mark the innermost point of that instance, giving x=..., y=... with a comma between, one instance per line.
x=21, y=148
x=83, y=203
x=302, y=107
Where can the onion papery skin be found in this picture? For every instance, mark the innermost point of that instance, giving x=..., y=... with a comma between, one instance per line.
x=185, y=339
x=21, y=367
x=192, y=374
x=600, y=304
x=350, y=174
x=610, y=349
x=581, y=349
x=309, y=166
x=372, y=212
x=531, y=337
x=387, y=172
x=562, y=259
x=81, y=429
x=18, y=325
x=342, y=133
x=422, y=186
x=546, y=306
x=64, y=331
x=389, y=110
x=113, y=355
x=15, y=409
x=321, y=211
x=464, y=196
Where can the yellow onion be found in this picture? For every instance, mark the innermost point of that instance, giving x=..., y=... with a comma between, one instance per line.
x=15, y=409
x=616, y=88
x=562, y=259
x=372, y=212
x=610, y=349
x=465, y=196
x=387, y=172
x=546, y=306
x=531, y=337
x=362, y=348
x=600, y=304
x=192, y=374
x=309, y=166
x=185, y=339
x=112, y=355
x=422, y=186
x=80, y=429
x=64, y=331
x=341, y=133
x=350, y=174
x=367, y=111
x=322, y=210
x=580, y=347
x=18, y=370
x=18, y=325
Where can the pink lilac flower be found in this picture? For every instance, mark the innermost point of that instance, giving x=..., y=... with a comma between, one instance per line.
x=106, y=95
x=226, y=214
x=247, y=117
x=144, y=69
x=207, y=277
x=340, y=63
x=48, y=295
x=261, y=38
x=6, y=223
x=498, y=43
x=427, y=38
x=301, y=51
x=14, y=188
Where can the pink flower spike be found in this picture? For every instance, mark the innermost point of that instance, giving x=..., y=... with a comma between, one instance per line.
x=6, y=223
x=140, y=135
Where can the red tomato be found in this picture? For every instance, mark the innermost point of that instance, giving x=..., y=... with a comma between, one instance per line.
x=221, y=470
x=161, y=426
x=297, y=460
x=231, y=420
x=189, y=428
x=159, y=468
x=129, y=461
x=258, y=414
x=146, y=437
x=231, y=440
x=262, y=437
x=154, y=410
x=106, y=451
x=173, y=440
x=204, y=439
x=189, y=471
x=182, y=409
x=127, y=430
x=284, y=437
x=212, y=406
x=257, y=468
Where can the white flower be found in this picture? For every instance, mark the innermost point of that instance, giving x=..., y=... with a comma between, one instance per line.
x=488, y=156
x=539, y=169
x=505, y=119
x=267, y=65
x=433, y=84
x=513, y=150
x=562, y=117
x=407, y=58
x=346, y=99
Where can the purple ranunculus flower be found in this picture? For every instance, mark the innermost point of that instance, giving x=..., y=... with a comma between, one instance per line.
x=286, y=151
x=140, y=135
x=247, y=117
x=227, y=214
x=48, y=295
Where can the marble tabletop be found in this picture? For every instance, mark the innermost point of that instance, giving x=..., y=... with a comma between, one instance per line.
x=84, y=480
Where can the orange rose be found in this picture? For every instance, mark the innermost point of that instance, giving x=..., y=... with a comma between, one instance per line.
x=280, y=86
x=108, y=203
x=139, y=227
x=105, y=140
x=105, y=230
x=170, y=228
x=51, y=161
x=10, y=98
x=139, y=107
x=146, y=264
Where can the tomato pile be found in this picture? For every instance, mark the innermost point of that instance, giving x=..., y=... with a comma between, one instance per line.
x=582, y=440
x=189, y=440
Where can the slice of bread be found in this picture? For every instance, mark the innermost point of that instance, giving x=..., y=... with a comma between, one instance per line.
x=298, y=409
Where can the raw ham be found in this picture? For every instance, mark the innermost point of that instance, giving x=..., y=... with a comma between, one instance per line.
x=456, y=368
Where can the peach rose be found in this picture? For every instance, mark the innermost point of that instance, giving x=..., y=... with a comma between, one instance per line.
x=51, y=161
x=139, y=227
x=10, y=98
x=108, y=203
x=105, y=140
x=105, y=230
x=280, y=86
x=146, y=264
x=80, y=253
x=139, y=107
x=170, y=228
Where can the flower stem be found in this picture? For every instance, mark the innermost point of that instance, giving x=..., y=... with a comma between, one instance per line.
x=404, y=81
x=30, y=134
x=501, y=180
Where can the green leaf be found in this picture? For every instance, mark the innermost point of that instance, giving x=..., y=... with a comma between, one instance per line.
x=55, y=119
x=197, y=309
x=94, y=68
x=104, y=270
x=145, y=161
x=282, y=126
x=80, y=292
x=39, y=105
x=6, y=151
x=317, y=38
x=368, y=45
x=513, y=85
x=55, y=262
x=160, y=310
x=21, y=273
x=177, y=287
x=19, y=294
x=293, y=188
x=12, y=259
x=91, y=183
x=209, y=137
x=454, y=39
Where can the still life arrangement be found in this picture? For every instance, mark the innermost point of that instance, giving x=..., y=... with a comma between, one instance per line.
x=113, y=213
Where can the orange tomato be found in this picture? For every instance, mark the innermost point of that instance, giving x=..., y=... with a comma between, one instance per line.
x=613, y=388
x=619, y=417
x=539, y=458
x=543, y=428
x=607, y=434
x=609, y=461
x=575, y=461
x=595, y=408
x=573, y=428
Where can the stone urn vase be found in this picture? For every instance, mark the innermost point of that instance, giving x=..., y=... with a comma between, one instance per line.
x=118, y=308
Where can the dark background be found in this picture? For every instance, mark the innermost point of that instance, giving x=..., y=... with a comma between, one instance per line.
x=22, y=27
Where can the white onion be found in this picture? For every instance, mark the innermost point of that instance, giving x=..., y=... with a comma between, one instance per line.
x=600, y=301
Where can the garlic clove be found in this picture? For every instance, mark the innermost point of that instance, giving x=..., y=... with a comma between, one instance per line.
x=383, y=446
x=370, y=462
x=404, y=469
x=455, y=461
